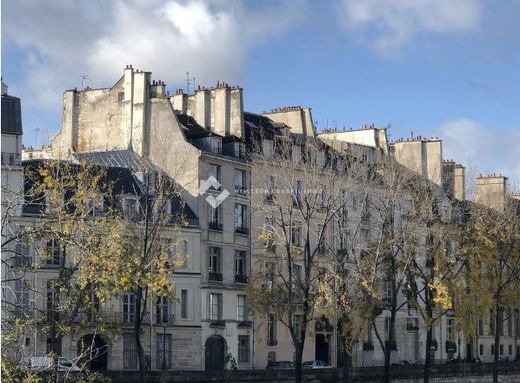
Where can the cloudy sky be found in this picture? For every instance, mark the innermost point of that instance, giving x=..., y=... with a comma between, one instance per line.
x=447, y=68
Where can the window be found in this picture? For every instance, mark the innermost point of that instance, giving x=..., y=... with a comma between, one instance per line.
x=130, y=208
x=492, y=349
x=21, y=292
x=240, y=266
x=320, y=238
x=162, y=310
x=481, y=349
x=388, y=292
x=22, y=254
x=412, y=324
x=241, y=219
x=297, y=193
x=297, y=275
x=243, y=348
x=240, y=182
x=271, y=357
x=271, y=330
x=215, y=306
x=510, y=323
x=215, y=262
x=129, y=352
x=321, y=196
x=270, y=269
x=215, y=218
x=215, y=145
x=269, y=188
x=480, y=326
x=184, y=303
x=95, y=204
x=54, y=253
x=240, y=150
x=450, y=329
x=129, y=307
x=510, y=349
x=297, y=324
x=501, y=348
x=95, y=305
x=215, y=171
x=387, y=328
x=491, y=323
x=164, y=351
x=267, y=148
x=120, y=96
x=296, y=234
x=241, y=308
x=52, y=310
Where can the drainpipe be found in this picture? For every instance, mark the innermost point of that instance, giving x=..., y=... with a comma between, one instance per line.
x=253, y=356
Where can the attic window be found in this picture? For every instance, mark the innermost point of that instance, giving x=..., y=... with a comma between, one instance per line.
x=121, y=96
x=215, y=145
x=130, y=207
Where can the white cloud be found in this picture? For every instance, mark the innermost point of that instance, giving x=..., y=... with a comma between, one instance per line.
x=387, y=26
x=62, y=40
x=482, y=149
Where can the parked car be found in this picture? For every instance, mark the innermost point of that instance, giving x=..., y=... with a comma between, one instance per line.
x=43, y=363
x=316, y=364
x=281, y=365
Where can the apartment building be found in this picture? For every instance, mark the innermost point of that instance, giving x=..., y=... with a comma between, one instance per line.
x=203, y=142
x=196, y=140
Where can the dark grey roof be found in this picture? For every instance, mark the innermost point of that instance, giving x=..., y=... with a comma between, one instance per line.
x=117, y=159
x=11, y=115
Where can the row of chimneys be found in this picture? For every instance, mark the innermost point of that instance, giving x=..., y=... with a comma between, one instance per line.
x=417, y=138
x=284, y=109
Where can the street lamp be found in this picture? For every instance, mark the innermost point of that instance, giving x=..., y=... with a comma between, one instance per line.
x=165, y=322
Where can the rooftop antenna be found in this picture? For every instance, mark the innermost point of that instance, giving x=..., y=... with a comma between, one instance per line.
x=189, y=81
x=83, y=79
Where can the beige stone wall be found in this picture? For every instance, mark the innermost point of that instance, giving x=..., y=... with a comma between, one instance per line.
x=491, y=191
x=298, y=119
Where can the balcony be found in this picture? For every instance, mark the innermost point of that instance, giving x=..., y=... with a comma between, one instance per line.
x=22, y=261
x=219, y=323
x=242, y=230
x=272, y=342
x=165, y=320
x=240, y=278
x=240, y=190
x=213, y=276
x=244, y=324
x=217, y=226
x=13, y=159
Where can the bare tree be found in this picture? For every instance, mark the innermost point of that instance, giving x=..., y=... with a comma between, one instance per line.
x=306, y=187
x=490, y=243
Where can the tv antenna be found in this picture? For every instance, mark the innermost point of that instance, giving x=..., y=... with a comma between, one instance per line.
x=189, y=81
x=83, y=79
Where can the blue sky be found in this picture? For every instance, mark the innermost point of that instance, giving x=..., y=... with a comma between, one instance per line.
x=447, y=68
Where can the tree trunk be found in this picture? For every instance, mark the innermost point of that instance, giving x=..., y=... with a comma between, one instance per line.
x=428, y=347
x=498, y=330
x=427, y=360
x=137, y=335
x=391, y=341
x=298, y=364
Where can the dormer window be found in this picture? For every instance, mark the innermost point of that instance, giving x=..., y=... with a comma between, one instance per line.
x=240, y=151
x=95, y=204
x=167, y=208
x=215, y=145
x=130, y=207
